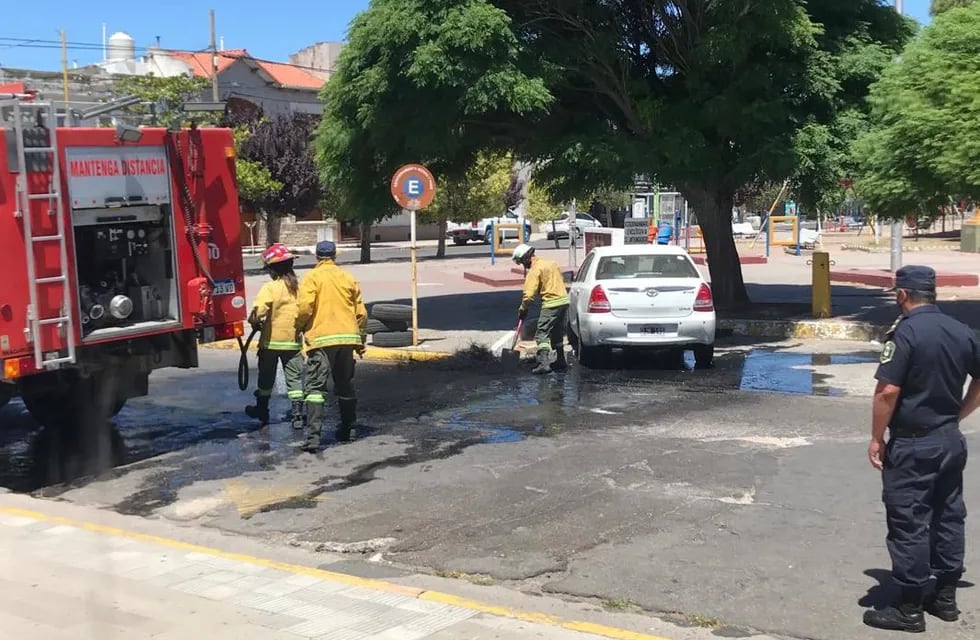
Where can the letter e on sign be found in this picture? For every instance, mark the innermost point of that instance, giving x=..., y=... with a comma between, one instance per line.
x=413, y=187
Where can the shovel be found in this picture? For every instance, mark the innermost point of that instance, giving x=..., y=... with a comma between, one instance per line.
x=511, y=358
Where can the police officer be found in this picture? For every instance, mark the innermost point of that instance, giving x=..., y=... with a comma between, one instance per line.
x=545, y=276
x=919, y=397
x=333, y=319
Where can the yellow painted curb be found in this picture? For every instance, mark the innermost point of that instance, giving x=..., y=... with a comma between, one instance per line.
x=366, y=583
x=370, y=353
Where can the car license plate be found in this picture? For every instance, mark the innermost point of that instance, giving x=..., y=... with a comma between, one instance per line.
x=651, y=329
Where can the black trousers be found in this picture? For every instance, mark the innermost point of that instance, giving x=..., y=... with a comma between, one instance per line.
x=923, y=495
x=330, y=362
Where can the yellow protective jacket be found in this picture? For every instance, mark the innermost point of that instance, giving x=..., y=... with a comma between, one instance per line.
x=331, y=311
x=545, y=277
x=276, y=308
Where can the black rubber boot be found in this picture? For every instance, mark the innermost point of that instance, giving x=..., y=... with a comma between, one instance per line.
x=297, y=415
x=260, y=411
x=942, y=604
x=348, y=420
x=561, y=363
x=314, y=426
x=905, y=615
x=544, y=362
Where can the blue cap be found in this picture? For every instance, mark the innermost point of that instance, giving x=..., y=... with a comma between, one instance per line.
x=326, y=249
x=916, y=277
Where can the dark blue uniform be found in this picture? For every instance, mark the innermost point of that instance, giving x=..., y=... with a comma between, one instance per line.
x=929, y=355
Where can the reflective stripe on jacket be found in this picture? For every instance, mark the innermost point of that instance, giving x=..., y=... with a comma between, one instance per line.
x=545, y=277
x=277, y=308
x=331, y=311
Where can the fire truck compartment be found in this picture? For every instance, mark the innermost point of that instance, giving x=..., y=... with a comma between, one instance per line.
x=126, y=269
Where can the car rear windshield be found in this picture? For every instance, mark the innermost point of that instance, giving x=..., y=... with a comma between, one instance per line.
x=645, y=266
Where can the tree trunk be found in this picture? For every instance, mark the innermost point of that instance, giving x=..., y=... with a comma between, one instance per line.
x=365, y=242
x=441, y=248
x=273, y=225
x=714, y=211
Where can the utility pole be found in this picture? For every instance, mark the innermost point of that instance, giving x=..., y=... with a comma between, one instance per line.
x=214, y=62
x=64, y=67
x=896, y=235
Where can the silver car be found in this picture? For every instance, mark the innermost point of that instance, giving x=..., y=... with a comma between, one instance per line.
x=640, y=296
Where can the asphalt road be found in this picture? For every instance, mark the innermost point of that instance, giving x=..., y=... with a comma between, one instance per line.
x=382, y=254
x=699, y=494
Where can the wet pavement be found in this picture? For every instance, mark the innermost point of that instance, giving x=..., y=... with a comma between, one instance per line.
x=645, y=482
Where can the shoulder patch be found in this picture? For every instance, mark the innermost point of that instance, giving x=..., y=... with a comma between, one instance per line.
x=887, y=353
x=892, y=329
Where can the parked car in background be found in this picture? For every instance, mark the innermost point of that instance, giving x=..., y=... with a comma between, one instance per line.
x=560, y=229
x=640, y=297
x=479, y=230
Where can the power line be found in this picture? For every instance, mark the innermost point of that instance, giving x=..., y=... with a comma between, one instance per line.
x=35, y=43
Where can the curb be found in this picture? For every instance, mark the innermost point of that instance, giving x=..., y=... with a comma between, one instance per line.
x=380, y=354
x=805, y=329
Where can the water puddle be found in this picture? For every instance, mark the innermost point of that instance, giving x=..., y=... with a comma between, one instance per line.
x=795, y=373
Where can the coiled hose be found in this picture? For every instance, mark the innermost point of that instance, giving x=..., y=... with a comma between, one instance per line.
x=243, y=361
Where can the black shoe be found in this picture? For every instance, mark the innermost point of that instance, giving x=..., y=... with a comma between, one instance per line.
x=942, y=604
x=348, y=419
x=544, y=363
x=314, y=426
x=905, y=615
x=298, y=422
x=260, y=411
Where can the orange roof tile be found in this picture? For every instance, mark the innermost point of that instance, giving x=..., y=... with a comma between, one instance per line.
x=285, y=75
x=200, y=62
x=290, y=76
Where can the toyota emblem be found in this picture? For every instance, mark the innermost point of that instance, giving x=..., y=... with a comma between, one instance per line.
x=652, y=293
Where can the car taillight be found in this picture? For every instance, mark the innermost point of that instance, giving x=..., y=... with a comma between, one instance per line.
x=229, y=331
x=704, y=301
x=598, y=302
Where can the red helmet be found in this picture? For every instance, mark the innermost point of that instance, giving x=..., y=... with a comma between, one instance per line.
x=276, y=253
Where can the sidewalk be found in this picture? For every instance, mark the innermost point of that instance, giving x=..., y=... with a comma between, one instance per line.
x=68, y=578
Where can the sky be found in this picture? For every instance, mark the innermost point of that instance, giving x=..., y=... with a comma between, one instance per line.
x=270, y=33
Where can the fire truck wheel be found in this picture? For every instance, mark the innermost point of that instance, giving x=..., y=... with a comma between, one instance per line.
x=391, y=312
x=7, y=391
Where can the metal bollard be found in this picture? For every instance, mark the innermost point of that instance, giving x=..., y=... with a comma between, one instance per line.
x=821, y=284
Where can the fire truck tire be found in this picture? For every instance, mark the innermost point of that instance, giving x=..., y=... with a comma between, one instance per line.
x=7, y=392
x=392, y=339
x=377, y=326
x=392, y=312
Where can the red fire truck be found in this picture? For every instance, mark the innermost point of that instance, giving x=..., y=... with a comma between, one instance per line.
x=120, y=252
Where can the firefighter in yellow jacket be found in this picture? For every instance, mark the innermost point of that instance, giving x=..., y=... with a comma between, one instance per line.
x=545, y=277
x=274, y=314
x=333, y=320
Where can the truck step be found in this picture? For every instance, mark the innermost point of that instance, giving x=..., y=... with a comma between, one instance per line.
x=52, y=361
x=58, y=320
x=39, y=149
x=51, y=280
x=43, y=196
x=48, y=238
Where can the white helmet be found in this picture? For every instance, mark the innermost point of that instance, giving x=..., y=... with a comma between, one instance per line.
x=522, y=252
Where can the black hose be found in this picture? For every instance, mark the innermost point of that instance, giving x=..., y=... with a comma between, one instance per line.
x=243, y=361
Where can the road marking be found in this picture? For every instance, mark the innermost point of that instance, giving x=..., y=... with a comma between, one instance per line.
x=614, y=633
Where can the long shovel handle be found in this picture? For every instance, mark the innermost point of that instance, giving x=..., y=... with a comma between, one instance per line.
x=517, y=333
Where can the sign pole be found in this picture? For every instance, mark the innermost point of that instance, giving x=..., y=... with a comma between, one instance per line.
x=413, y=188
x=415, y=286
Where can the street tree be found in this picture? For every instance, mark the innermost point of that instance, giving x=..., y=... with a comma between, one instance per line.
x=939, y=6
x=706, y=96
x=164, y=98
x=416, y=84
x=924, y=148
x=282, y=146
x=254, y=181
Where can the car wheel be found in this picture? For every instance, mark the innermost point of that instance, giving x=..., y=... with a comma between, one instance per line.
x=488, y=235
x=704, y=356
x=7, y=392
x=590, y=357
x=459, y=241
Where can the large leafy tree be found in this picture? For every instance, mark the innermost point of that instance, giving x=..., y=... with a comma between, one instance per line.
x=282, y=146
x=706, y=95
x=926, y=146
x=938, y=6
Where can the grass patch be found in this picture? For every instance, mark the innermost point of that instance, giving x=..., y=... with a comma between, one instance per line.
x=619, y=604
x=698, y=620
x=477, y=579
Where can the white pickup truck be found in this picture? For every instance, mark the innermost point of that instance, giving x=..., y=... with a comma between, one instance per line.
x=479, y=230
